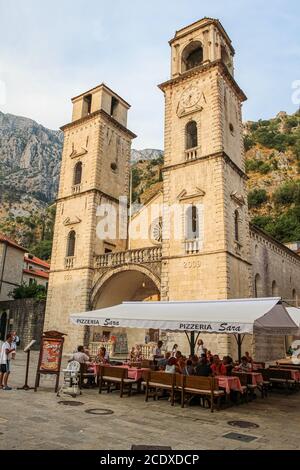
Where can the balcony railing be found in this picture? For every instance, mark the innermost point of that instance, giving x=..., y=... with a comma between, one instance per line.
x=69, y=262
x=192, y=154
x=140, y=256
x=76, y=188
x=192, y=246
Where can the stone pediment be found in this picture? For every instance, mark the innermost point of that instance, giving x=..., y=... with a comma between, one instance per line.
x=238, y=198
x=71, y=221
x=184, y=110
x=78, y=153
x=184, y=195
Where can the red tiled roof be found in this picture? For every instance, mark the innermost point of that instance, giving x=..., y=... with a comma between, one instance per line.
x=38, y=261
x=5, y=239
x=36, y=272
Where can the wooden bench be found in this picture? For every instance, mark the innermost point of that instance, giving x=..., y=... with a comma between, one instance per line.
x=148, y=364
x=281, y=377
x=117, y=376
x=159, y=381
x=286, y=366
x=204, y=386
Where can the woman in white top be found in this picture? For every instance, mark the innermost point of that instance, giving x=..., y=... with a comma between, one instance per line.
x=171, y=366
x=200, y=348
x=174, y=350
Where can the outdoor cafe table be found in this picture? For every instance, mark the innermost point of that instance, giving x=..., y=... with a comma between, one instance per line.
x=133, y=372
x=256, y=377
x=257, y=366
x=229, y=383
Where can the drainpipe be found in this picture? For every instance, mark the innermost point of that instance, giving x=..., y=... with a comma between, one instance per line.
x=3, y=265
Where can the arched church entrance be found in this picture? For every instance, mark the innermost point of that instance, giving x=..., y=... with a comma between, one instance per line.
x=116, y=286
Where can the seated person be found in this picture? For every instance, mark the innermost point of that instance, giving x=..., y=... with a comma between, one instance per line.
x=188, y=368
x=102, y=356
x=132, y=354
x=245, y=366
x=203, y=368
x=217, y=366
x=163, y=362
x=181, y=362
x=209, y=357
x=80, y=356
x=249, y=358
x=171, y=366
x=158, y=351
x=138, y=352
x=228, y=363
x=174, y=350
x=195, y=360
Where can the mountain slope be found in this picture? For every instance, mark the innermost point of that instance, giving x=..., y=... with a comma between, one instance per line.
x=30, y=157
x=273, y=166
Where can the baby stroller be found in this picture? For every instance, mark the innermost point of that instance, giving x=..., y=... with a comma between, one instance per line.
x=71, y=382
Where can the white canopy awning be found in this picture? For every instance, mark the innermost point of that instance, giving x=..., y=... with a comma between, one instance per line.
x=294, y=313
x=265, y=315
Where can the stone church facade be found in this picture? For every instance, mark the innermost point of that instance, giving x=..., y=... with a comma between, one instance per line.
x=216, y=253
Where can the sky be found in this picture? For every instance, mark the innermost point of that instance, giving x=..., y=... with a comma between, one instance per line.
x=52, y=50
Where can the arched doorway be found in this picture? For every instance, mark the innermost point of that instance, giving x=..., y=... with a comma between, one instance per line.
x=3, y=326
x=117, y=286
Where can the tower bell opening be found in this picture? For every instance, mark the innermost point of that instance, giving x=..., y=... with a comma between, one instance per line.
x=192, y=56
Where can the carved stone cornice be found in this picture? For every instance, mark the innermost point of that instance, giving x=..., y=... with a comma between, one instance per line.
x=202, y=69
x=184, y=195
x=238, y=198
x=69, y=221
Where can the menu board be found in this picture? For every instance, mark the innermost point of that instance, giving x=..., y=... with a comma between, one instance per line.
x=51, y=354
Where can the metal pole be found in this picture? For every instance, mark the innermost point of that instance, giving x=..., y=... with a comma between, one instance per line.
x=26, y=386
x=192, y=343
x=130, y=204
x=239, y=342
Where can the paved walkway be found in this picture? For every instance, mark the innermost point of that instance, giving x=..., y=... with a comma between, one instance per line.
x=31, y=420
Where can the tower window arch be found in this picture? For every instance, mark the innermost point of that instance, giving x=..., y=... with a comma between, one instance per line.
x=77, y=173
x=71, y=243
x=191, y=135
x=192, y=223
x=257, y=286
x=295, y=298
x=192, y=56
x=275, y=291
x=236, y=225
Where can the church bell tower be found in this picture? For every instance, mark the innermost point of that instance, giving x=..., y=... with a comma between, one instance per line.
x=94, y=174
x=204, y=170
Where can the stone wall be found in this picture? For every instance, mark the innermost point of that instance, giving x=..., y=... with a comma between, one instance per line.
x=275, y=268
x=26, y=316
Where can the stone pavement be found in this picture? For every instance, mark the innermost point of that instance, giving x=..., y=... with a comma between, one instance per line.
x=31, y=420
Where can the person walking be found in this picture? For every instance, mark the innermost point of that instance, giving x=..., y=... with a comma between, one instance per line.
x=6, y=350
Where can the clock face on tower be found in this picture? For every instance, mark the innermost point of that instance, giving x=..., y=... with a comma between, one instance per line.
x=190, y=97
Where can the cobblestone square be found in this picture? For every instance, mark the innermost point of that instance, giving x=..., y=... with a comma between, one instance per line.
x=31, y=420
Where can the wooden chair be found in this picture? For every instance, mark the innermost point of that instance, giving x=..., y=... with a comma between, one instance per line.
x=90, y=377
x=117, y=376
x=204, y=386
x=159, y=381
x=244, y=384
